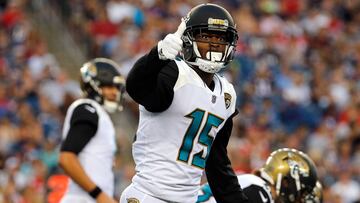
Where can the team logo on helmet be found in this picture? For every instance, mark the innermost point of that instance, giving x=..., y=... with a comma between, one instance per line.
x=88, y=71
x=227, y=98
x=132, y=200
x=92, y=70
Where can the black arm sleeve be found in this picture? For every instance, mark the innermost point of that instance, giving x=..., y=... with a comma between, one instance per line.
x=257, y=194
x=221, y=177
x=151, y=81
x=83, y=126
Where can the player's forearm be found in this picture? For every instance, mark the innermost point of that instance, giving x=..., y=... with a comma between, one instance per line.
x=141, y=80
x=144, y=74
x=72, y=167
x=152, y=85
x=224, y=185
x=221, y=177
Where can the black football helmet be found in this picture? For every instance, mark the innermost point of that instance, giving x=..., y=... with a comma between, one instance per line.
x=102, y=72
x=206, y=18
x=292, y=173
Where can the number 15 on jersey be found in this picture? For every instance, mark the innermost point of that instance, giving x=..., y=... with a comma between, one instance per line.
x=197, y=117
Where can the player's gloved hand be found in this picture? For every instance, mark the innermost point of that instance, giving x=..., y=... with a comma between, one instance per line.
x=171, y=45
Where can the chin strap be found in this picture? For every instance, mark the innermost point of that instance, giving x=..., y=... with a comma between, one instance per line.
x=212, y=64
x=208, y=66
x=112, y=106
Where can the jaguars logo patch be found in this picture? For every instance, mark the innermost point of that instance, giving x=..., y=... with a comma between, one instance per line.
x=132, y=200
x=227, y=98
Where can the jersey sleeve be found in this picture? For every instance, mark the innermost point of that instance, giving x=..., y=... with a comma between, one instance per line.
x=83, y=126
x=151, y=82
x=258, y=194
x=221, y=177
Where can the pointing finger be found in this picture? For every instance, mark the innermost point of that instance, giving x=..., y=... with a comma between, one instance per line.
x=180, y=31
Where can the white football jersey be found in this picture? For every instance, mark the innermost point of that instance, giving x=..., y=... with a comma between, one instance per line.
x=171, y=147
x=255, y=188
x=97, y=156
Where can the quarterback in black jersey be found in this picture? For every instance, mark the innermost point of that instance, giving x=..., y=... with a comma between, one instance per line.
x=186, y=112
x=88, y=146
x=288, y=176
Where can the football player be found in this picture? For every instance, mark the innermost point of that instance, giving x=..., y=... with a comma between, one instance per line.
x=88, y=146
x=288, y=176
x=186, y=109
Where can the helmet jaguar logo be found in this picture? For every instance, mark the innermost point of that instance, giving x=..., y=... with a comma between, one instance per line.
x=132, y=200
x=88, y=71
x=92, y=70
x=294, y=170
x=227, y=98
x=297, y=168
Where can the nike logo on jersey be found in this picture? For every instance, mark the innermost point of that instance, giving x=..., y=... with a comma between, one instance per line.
x=89, y=108
x=263, y=198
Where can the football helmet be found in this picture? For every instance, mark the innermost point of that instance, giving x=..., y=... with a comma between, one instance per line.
x=291, y=172
x=101, y=72
x=209, y=18
x=316, y=196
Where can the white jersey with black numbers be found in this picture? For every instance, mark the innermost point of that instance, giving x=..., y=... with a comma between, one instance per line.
x=171, y=147
x=255, y=188
x=98, y=155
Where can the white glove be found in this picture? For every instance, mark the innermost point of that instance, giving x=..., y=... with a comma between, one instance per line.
x=171, y=45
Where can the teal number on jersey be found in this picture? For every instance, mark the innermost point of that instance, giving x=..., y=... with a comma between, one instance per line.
x=205, y=139
x=206, y=194
x=190, y=134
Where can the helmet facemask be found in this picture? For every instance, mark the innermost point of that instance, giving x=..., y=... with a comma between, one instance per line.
x=213, y=60
x=114, y=105
x=316, y=196
x=290, y=190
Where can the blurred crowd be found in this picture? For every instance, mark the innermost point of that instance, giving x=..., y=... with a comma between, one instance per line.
x=34, y=95
x=296, y=73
